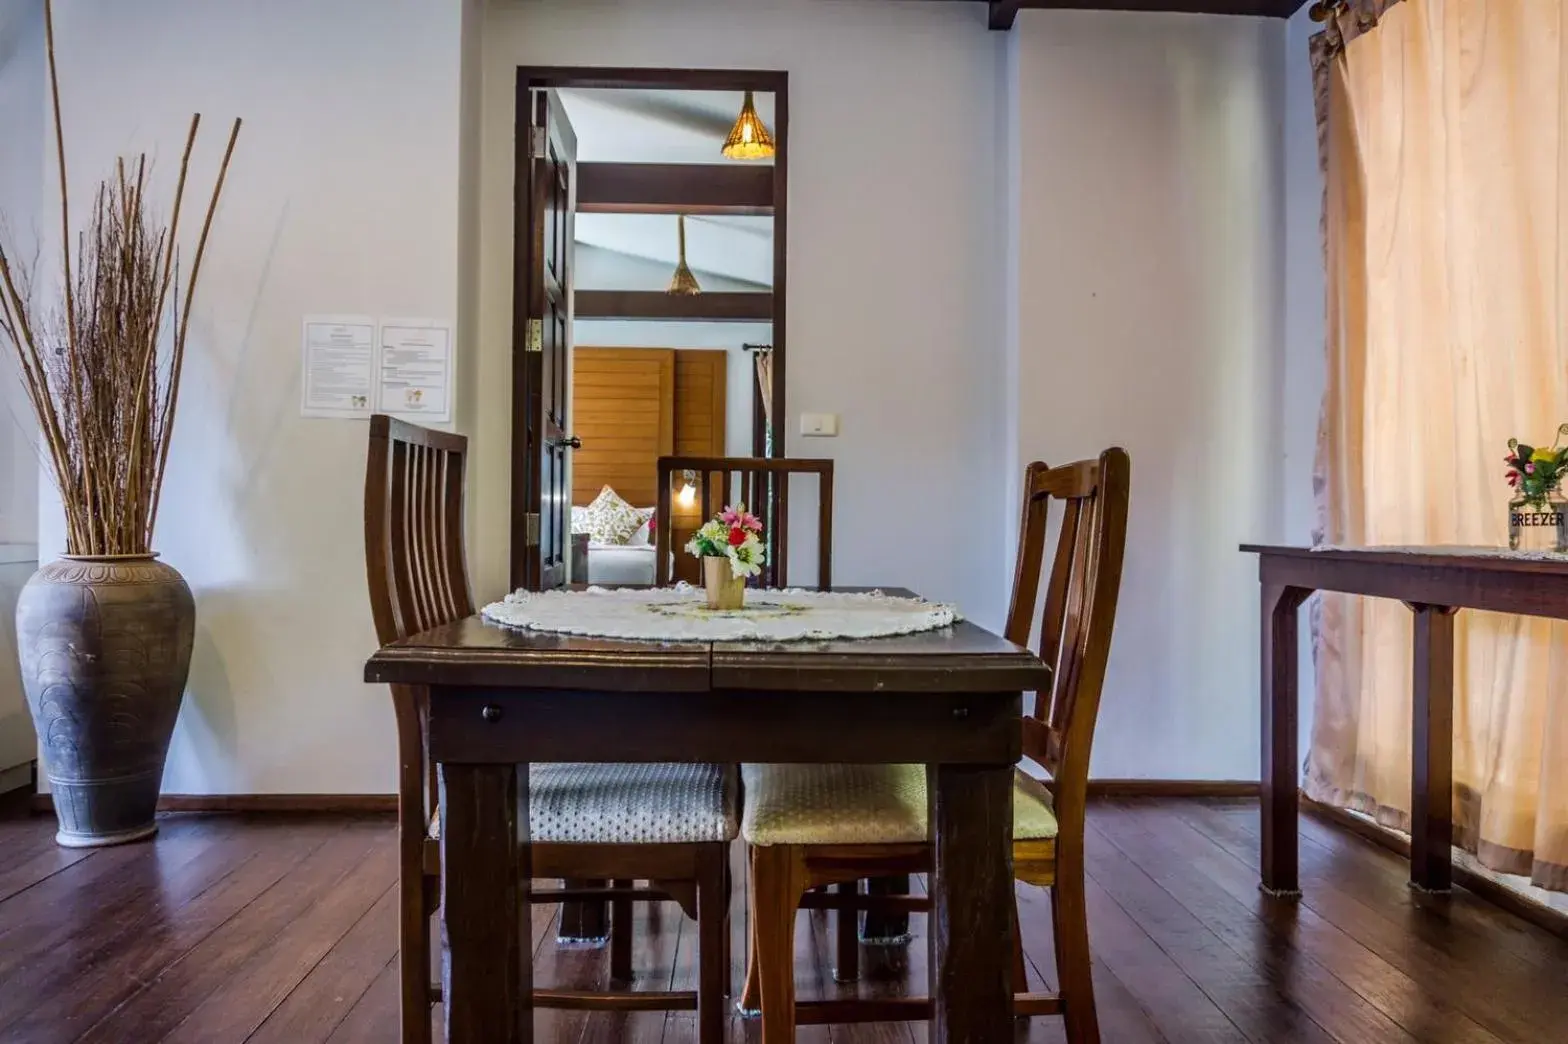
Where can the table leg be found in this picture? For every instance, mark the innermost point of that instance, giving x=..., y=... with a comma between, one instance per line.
x=584, y=920
x=971, y=949
x=1432, y=750
x=886, y=929
x=487, y=967
x=1281, y=784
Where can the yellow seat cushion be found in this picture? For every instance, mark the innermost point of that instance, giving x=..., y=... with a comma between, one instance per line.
x=862, y=805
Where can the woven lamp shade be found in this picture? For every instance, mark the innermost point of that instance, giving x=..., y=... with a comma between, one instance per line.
x=749, y=138
x=683, y=282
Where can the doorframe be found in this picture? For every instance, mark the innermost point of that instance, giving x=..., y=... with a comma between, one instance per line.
x=530, y=77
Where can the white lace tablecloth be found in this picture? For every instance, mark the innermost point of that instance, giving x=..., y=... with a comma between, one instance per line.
x=680, y=614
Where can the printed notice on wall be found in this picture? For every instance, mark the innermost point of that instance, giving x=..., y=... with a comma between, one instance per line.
x=337, y=378
x=414, y=370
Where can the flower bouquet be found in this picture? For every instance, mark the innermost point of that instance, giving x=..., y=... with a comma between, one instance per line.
x=1537, y=519
x=731, y=549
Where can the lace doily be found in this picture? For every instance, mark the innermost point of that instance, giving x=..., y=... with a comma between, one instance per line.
x=679, y=614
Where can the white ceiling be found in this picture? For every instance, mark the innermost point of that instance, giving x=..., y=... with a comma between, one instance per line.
x=649, y=126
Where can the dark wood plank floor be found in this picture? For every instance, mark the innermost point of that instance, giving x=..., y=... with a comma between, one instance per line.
x=280, y=930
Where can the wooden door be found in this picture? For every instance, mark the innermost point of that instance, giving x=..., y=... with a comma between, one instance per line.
x=541, y=348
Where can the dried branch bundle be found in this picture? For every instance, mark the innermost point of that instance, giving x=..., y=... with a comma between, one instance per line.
x=103, y=392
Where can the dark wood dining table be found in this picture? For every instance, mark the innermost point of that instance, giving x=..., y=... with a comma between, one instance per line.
x=1434, y=583
x=503, y=698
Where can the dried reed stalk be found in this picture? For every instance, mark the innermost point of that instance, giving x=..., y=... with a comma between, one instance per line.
x=103, y=393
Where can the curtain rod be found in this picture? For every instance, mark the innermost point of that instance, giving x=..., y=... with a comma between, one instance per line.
x=756, y=347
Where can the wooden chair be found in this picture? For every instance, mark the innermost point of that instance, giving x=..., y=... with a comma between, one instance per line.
x=812, y=825
x=762, y=484
x=667, y=824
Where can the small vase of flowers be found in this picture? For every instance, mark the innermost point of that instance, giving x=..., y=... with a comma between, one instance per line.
x=1538, y=512
x=731, y=549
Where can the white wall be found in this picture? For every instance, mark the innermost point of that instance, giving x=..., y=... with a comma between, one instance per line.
x=894, y=299
x=1149, y=315
x=1093, y=236
x=342, y=197
x=22, y=102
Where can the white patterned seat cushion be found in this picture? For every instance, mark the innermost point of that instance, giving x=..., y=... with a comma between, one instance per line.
x=862, y=804
x=586, y=803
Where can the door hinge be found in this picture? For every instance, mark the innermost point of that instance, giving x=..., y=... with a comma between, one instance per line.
x=537, y=143
x=536, y=335
x=531, y=529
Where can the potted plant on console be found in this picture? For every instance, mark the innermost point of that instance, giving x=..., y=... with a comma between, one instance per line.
x=105, y=631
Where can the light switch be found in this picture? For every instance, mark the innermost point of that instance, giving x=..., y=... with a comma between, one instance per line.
x=824, y=425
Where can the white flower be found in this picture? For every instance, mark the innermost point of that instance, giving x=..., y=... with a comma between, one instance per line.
x=747, y=559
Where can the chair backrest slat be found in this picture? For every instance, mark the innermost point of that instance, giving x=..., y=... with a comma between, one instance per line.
x=762, y=483
x=414, y=557
x=1080, y=607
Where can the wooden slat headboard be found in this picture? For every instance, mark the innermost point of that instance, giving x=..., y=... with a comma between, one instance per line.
x=623, y=409
x=631, y=406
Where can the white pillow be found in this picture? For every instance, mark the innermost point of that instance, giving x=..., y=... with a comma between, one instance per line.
x=579, y=520
x=644, y=535
x=610, y=519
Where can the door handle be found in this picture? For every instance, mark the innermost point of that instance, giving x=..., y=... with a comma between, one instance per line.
x=570, y=442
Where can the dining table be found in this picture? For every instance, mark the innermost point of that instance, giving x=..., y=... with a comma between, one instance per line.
x=502, y=698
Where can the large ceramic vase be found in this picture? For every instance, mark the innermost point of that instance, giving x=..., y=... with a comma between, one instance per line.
x=105, y=646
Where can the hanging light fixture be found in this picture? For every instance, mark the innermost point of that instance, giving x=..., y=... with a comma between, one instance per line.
x=683, y=283
x=687, y=497
x=749, y=138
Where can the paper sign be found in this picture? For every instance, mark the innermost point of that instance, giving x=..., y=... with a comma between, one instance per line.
x=414, y=370
x=337, y=377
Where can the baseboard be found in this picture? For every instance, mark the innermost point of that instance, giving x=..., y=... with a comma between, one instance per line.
x=1174, y=788
x=1494, y=892
x=18, y=777
x=349, y=804
x=340, y=804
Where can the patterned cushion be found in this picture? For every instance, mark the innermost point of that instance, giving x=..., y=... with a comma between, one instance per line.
x=586, y=803
x=862, y=804
x=610, y=519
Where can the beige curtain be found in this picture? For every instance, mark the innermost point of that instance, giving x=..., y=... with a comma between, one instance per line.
x=1443, y=126
x=765, y=382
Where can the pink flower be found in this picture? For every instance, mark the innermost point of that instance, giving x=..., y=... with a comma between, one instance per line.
x=743, y=518
x=1529, y=469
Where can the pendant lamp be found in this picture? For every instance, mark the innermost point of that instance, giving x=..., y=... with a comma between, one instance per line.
x=749, y=138
x=684, y=282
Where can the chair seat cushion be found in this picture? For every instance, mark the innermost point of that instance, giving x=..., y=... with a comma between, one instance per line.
x=862, y=804
x=612, y=804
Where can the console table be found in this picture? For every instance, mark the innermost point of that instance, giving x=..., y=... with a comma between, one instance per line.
x=1434, y=583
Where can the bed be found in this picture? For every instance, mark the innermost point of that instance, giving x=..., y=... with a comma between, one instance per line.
x=620, y=563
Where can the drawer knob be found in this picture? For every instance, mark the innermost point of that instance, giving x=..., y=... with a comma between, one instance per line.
x=960, y=713
x=490, y=712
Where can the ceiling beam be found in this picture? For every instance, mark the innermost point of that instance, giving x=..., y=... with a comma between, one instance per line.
x=1003, y=12
x=658, y=306
x=674, y=188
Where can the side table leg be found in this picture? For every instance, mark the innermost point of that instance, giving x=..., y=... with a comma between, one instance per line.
x=1432, y=750
x=1280, y=777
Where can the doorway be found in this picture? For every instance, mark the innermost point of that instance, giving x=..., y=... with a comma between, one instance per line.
x=620, y=184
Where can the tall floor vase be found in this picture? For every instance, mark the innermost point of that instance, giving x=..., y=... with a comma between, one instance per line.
x=105, y=648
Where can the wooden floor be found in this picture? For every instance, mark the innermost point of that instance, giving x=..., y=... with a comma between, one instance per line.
x=280, y=930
